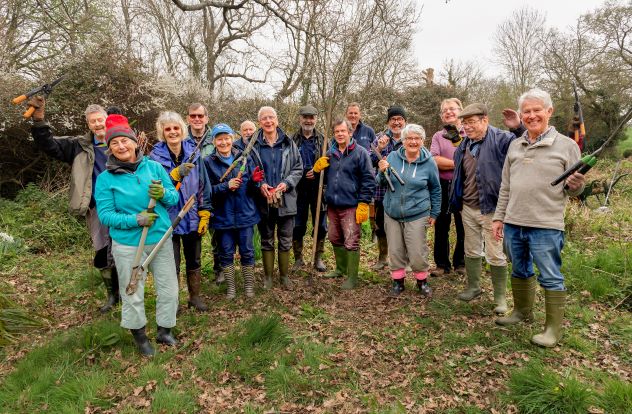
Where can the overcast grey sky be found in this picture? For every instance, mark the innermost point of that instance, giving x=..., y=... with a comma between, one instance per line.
x=463, y=29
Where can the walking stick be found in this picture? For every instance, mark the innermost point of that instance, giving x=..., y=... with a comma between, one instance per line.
x=319, y=202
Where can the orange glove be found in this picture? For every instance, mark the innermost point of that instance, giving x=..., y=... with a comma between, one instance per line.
x=362, y=213
x=204, y=218
x=321, y=164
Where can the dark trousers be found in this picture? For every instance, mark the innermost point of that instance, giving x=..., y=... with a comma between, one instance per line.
x=229, y=239
x=192, y=245
x=284, y=227
x=442, y=233
x=307, y=196
x=379, y=218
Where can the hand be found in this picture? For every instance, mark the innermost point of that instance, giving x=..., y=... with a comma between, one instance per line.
x=281, y=188
x=204, y=216
x=497, y=230
x=258, y=175
x=575, y=181
x=146, y=219
x=431, y=221
x=511, y=119
x=156, y=191
x=362, y=213
x=234, y=183
x=182, y=171
x=39, y=104
x=321, y=164
x=310, y=175
x=382, y=165
x=265, y=191
x=382, y=142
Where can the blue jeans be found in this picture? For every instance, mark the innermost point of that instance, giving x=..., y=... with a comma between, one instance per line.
x=528, y=245
x=228, y=239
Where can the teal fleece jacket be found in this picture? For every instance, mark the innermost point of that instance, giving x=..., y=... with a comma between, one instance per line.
x=420, y=196
x=120, y=197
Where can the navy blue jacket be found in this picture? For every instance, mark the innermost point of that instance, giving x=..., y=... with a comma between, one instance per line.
x=191, y=185
x=349, y=177
x=231, y=209
x=489, y=167
x=364, y=136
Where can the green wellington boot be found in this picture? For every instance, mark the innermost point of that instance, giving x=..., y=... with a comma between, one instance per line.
x=523, y=294
x=267, y=257
x=340, y=253
x=382, y=260
x=284, y=266
x=499, y=281
x=297, y=248
x=473, y=270
x=353, y=264
x=554, y=301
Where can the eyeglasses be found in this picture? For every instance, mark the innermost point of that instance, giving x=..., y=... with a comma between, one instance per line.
x=193, y=116
x=174, y=128
x=471, y=121
x=444, y=110
x=396, y=119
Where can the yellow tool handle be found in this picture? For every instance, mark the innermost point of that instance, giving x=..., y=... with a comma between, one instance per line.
x=29, y=112
x=19, y=99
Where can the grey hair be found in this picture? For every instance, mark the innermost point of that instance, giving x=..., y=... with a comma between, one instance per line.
x=169, y=117
x=536, y=94
x=92, y=108
x=341, y=121
x=247, y=122
x=266, y=109
x=415, y=129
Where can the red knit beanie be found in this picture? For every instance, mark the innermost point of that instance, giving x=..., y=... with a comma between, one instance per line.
x=117, y=126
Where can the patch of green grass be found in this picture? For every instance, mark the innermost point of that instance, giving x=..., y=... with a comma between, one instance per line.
x=171, y=400
x=616, y=397
x=536, y=389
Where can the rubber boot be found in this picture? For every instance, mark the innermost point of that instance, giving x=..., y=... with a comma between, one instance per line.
x=248, y=272
x=382, y=260
x=424, y=289
x=499, y=281
x=297, y=247
x=398, y=288
x=340, y=253
x=554, y=301
x=267, y=257
x=523, y=295
x=473, y=269
x=164, y=336
x=319, y=265
x=284, y=265
x=110, y=280
x=353, y=264
x=229, y=276
x=142, y=342
x=194, y=283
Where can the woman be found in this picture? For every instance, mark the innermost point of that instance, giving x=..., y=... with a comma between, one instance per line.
x=444, y=143
x=411, y=208
x=234, y=210
x=122, y=199
x=174, y=152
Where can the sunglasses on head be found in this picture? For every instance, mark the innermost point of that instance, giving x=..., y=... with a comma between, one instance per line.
x=196, y=116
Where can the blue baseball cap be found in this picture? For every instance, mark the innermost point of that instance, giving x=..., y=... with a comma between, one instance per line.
x=221, y=129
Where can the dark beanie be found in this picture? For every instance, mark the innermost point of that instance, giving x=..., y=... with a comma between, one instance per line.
x=396, y=110
x=117, y=126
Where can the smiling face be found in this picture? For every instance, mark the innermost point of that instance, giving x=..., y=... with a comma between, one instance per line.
x=396, y=124
x=450, y=113
x=535, y=116
x=413, y=143
x=224, y=143
x=123, y=148
x=96, y=124
x=475, y=126
x=353, y=115
x=197, y=119
x=268, y=121
x=308, y=123
x=247, y=129
x=342, y=135
x=173, y=133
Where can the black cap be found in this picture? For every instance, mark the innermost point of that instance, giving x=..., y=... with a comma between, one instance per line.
x=396, y=110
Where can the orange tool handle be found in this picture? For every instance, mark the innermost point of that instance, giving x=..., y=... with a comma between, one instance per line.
x=178, y=185
x=19, y=99
x=29, y=112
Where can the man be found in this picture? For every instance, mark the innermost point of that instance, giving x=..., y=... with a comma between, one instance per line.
x=442, y=148
x=279, y=158
x=350, y=186
x=531, y=212
x=386, y=142
x=87, y=156
x=362, y=134
x=478, y=163
x=197, y=118
x=310, y=143
x=246, y=130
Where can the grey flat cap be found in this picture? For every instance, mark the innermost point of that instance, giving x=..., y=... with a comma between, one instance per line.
x=308, y=110
x=474, y=109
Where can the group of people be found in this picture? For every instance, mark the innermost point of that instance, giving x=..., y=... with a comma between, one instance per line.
x=494, y=183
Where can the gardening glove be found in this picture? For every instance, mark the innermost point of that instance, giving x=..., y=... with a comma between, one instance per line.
x=156, y=191
x=38, y=103
x=258, y=175
x=234, y=183
x=145, y=218
x=204, y=216
x=362, y=213
x=321, y=164
x=178, y=173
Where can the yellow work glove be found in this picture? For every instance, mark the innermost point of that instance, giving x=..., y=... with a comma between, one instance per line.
x=204, y=218
x=321, y=164
x=178, y=173
x=362, y=213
